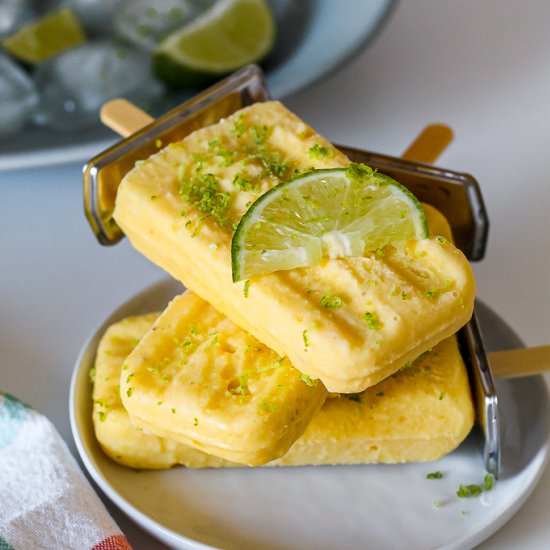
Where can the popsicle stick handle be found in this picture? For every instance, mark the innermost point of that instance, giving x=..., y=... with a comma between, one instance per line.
x=520, y=362
x=124, y=117
x=429, y=144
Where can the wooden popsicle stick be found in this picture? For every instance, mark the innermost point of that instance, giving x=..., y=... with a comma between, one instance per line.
x=429, y=144
x=520, y=362
x=124, y=117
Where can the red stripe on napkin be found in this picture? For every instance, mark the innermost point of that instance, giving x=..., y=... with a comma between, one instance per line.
x=114, y=542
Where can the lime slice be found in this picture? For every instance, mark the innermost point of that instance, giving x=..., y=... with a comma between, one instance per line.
x=328, y=213
x=49, y=36
x=231, y=34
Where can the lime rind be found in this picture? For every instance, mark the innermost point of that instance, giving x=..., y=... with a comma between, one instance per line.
x=324, y=213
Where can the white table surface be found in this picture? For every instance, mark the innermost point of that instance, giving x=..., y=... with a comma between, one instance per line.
x=482, y=66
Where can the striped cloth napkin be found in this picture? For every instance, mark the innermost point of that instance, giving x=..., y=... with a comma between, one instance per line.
x=45, y=500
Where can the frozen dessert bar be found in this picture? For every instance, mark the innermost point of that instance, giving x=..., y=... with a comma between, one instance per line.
x=198, y=378
x=421, y=413
x=118, y=437
x=179, y=209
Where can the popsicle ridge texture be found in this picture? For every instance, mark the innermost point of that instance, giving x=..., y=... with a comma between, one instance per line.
x=179, y=207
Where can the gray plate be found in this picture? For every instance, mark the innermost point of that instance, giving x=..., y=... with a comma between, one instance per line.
x=325, y=507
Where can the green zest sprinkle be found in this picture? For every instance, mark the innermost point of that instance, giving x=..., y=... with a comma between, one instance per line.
x=239, y=127
x=158, y=143
x=468, y=491
x=188, y=347
x=306, y=379
x=435, y=475
x=129, y=392
x=92, y=374
x=203, y=191
x=488, y=481
x=268, y=407
x=218, y=149
x=319, y=152
x=242, y=388
x=272, y=162
x=358, y=172
x=276, y=364
x=246, y=288
x=259, y=134
x=305, y=338
x=431, y=293
x=245, y=185
x=441, y=395
x=372, y=320
x=195, y=421
x=441, y=240
x=331, y=301
x=173, y=410
x=101, y=416
x=357, y=397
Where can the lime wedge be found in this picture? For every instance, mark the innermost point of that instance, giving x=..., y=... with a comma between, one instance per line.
x=328, y=213
x=231, y=34
x=49, y=36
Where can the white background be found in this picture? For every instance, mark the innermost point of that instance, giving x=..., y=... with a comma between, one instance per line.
x=482, y=66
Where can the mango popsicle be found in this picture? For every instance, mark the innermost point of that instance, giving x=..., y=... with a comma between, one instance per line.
x=198, y=378
x=418, y=414
x=178, y=208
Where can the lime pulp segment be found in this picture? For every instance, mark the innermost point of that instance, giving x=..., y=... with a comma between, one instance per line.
x=47, y=37
x=329, y=213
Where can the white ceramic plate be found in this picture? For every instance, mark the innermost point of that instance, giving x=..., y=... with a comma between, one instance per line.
x=371, y=506
x=316, y=37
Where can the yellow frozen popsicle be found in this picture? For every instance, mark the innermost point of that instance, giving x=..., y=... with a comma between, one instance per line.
x=179, y=207
x=420, y=413
x=197, y=378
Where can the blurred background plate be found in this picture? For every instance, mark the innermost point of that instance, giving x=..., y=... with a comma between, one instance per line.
x=315, y=38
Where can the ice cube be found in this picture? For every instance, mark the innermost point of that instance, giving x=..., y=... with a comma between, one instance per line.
x=95, y=15
x=13, y=14
x=75, y=84
x=18, y=97
x=145, y=23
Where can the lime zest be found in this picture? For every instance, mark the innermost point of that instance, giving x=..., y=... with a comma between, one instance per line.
x=331, y=301
x=306, y=379
x=372, y=320
x=320, y=152
x=204, y=192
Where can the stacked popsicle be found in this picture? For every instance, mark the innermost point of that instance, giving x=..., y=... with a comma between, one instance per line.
x=239, y=371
